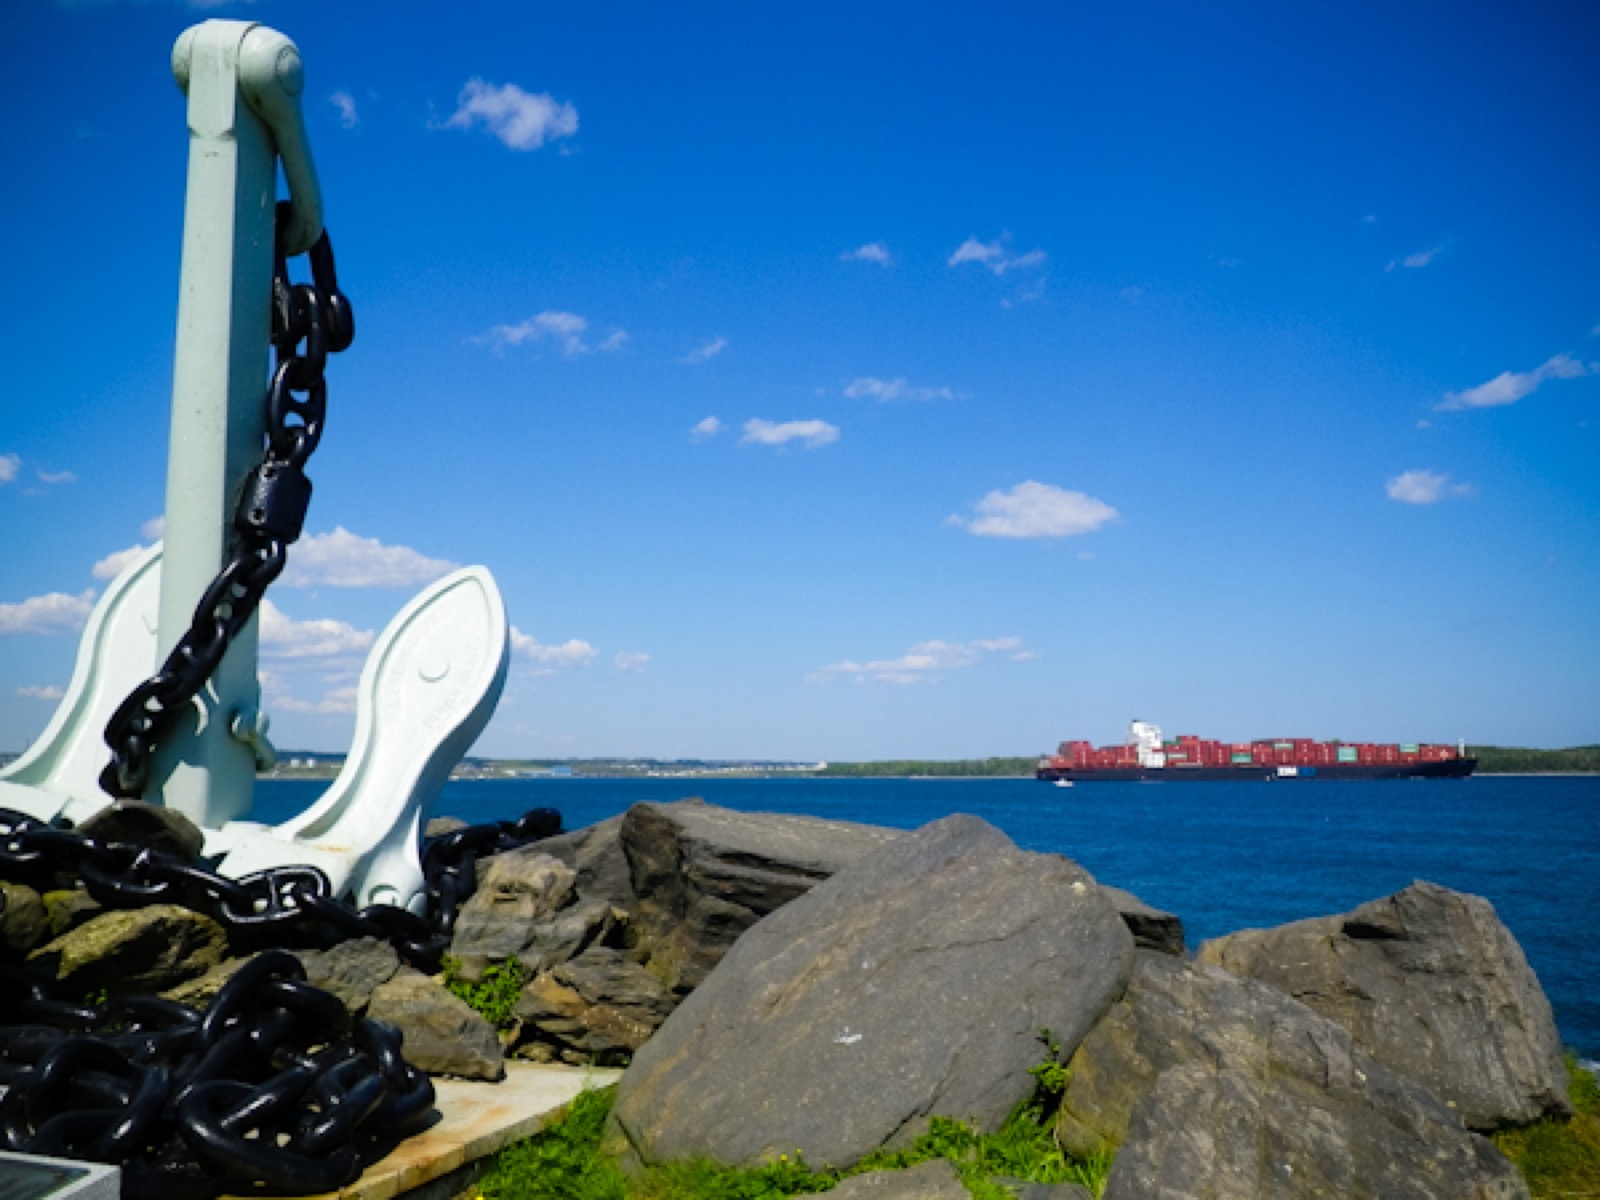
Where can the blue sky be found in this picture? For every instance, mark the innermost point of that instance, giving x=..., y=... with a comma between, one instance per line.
x=862, y=381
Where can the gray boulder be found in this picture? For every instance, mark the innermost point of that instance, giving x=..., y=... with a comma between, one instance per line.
x=443, y=1035
x=595, y=853
x=351, y=970
x=1022, y=1190
x=151, y=825
x=23, y=920
x=67, y=908
x=1216, y=1087
x=139, y=950
x=570, y=932
x=702, y=875
x=913, y=983
x=599, y=1004
x=1430, y=983
x=932, y=1180
x=1152, y=928
x=515, y=889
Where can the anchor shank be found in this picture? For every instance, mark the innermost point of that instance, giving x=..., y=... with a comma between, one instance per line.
x=219, y=379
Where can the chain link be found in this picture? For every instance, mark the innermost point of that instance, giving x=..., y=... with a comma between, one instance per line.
x=270, y=515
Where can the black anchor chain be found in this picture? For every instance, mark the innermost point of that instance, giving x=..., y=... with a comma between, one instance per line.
x=256, y=1093
x=270, y=515
x=253, y=1094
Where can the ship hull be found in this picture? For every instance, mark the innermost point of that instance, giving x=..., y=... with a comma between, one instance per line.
x=1452, y=768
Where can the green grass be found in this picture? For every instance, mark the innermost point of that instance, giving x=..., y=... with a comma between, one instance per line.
x=564, y=1163
x=495, y=996
x=1561, y=1159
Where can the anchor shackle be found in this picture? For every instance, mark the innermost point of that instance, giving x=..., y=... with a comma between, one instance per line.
x=271, y=79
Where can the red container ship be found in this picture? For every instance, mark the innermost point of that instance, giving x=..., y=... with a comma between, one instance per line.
x=1146, y=756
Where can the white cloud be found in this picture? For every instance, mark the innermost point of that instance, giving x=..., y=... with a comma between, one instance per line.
x=45, y=692
x=885, y=391
x=10, y=464
x=709, y=428
x=707, y=350
x=282, y=637
x=565, y=329
x=571, y=653
x=996, y=255
x=631, y=662
x=1036, y=510
x=774, y=433
x=116, y=563
x=1510, y=386
x=1424, y=487
x=925, y=662
x=54, y=612
x=346, y=104
x=872, y=252
x=154, y=529
x=522, y=120
x=1420, y=259
x=337, y=700
x=342, y=559
x=56, y=477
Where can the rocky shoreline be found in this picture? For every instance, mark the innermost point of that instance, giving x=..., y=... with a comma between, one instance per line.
x=790, y=985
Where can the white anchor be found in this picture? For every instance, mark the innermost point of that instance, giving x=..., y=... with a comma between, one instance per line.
x=433, y=679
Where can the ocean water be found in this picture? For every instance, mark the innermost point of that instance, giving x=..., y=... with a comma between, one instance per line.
x=1223, y=856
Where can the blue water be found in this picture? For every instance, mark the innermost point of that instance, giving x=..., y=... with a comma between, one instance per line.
x=1223, y=856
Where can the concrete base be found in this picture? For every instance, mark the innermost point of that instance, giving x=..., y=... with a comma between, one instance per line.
x=35, y=1177
x=477, y=1119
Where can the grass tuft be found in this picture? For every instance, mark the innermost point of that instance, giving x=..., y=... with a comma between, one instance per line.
x=1561, y=1158
x=495, y=997
x=564, y=1162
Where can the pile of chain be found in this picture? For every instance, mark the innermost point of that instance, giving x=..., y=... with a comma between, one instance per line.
x=252, y=1096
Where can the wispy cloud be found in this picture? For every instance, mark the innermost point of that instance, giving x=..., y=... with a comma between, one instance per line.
x=1424, y=487
x=345, y=560
x=339, y=695
x=926, y=662
x=54, y=612
x=996, y=255
x=42, y=692
x=1036, y=510
x=872, y=252
x=10, y=464
x=522, y=120
x=706, y=350
x=811, y=434
x=116, y=562
x=55, y=478
x=1510, y=386
x=346, y=104
x=1413, y=261
x=154, y=528
x=567, y=331
x=887, y=391
x=633, y=663
x=547, y=659
x=282, y=637
x=707, y=429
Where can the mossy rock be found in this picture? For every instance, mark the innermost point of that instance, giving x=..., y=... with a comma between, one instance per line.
x=23, y=921
x=144, y=950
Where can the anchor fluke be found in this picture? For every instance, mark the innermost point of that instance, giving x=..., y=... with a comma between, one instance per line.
x=59, y=774
x=428, y=688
